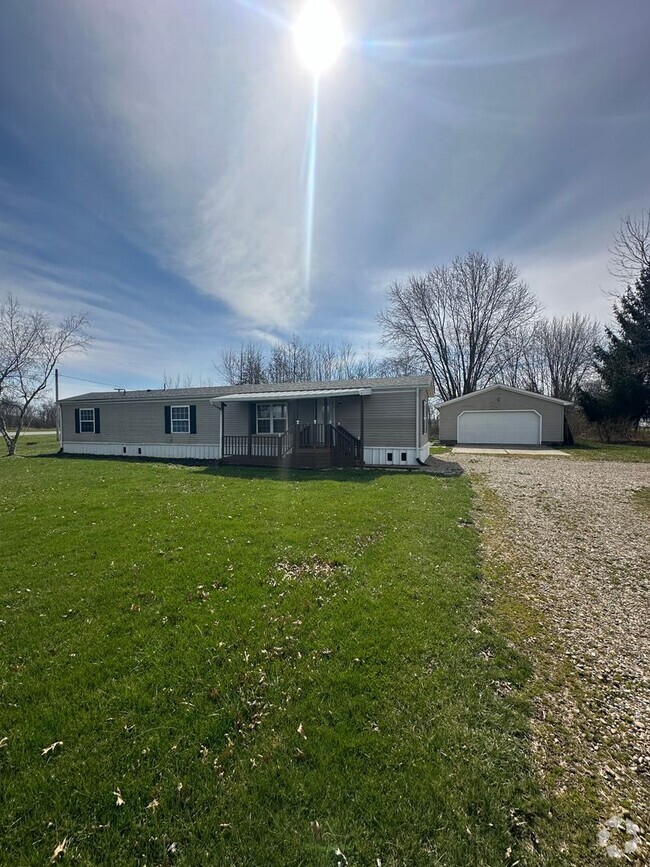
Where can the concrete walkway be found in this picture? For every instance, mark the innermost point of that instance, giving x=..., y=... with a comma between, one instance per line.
x=527, y=451
x=34, y=433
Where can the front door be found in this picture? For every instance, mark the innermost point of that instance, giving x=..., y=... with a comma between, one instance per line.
x=326, y=410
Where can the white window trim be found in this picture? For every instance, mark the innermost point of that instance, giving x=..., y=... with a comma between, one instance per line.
x=183, y=420
x=271, y=419
x=83, y=421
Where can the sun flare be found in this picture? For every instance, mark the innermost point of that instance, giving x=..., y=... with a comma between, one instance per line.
x=318, y=33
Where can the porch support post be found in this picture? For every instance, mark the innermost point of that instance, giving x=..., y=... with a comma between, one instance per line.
x=362, y=426
x=223, y=425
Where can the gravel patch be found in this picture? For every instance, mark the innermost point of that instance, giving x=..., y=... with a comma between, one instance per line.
x=580, y=551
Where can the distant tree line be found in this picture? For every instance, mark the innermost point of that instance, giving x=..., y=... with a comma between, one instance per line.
x=40, y=415
x=298, y=360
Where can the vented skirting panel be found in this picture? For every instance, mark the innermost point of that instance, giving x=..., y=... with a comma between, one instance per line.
x=395, y=456
x=146, y=450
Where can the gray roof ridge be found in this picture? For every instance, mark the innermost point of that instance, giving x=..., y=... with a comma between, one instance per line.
x=413, y=381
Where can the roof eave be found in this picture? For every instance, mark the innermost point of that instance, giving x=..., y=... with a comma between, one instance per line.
x=289, y=395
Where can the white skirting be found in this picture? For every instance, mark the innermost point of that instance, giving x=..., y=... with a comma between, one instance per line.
x=196, y=452
x=395, y=456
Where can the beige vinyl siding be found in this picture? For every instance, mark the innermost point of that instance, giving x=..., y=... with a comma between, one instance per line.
x=389, y=418
x=502, y=399
x=142, y=422
x=237, y=422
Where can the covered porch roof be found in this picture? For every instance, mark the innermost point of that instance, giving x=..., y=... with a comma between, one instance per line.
x=274, y=396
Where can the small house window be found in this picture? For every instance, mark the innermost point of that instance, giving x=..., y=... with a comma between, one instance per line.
x=404, y=457
x=425, y=416
x=87, y=420
x=389, y=456
x=180, y=419
x=271, y=418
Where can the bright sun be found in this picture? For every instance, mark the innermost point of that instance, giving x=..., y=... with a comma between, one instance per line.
x=318, y=33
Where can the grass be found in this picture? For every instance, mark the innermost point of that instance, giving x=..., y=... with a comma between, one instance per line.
x=265, y=668
x=566, y=830
x=438, y=450
x=596, y=451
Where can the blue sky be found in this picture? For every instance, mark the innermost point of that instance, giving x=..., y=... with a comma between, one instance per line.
x=152, y=163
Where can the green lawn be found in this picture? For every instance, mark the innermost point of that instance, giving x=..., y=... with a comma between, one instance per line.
x=596, y=451
x=265, y=668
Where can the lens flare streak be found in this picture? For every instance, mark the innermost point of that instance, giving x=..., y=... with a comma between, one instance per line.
x=273, y=17
x=312, y=148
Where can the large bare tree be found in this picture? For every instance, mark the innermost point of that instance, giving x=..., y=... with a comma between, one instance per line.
x=630, y=250
x=556, y=355
x=459, y=318
x=31, y=346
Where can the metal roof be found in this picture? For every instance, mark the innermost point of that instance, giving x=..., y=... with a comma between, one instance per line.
x=280, y=388
x=287, y=395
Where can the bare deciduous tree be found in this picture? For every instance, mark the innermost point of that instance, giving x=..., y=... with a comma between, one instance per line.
x=297, y=360
x=567, y=347
x=556, y=355
x=405, y=363
x=30, y=348
x=243, y=365
x=184, y=380
x=458, y=319
x=630, y=250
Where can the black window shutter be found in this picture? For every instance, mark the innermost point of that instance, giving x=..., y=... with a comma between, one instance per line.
x=97, y=428
x=168, y=419
x=252, y=418
x=192, y=419
x=77, y=423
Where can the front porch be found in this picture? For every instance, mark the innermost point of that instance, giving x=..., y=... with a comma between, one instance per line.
x=302, y=446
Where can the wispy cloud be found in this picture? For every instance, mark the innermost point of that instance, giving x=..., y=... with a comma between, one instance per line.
x=152, y=162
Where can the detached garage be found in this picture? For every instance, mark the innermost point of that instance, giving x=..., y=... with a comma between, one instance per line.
x=501, y=415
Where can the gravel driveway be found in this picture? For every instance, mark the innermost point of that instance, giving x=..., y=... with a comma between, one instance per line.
x=579, y=548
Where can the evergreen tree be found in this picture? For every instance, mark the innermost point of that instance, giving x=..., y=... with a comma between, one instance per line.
x=624, y=364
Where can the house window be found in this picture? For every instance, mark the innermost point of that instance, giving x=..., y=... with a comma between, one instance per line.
x=87, y=420
x=425, y=416
x=180, y=419
x=271, y=418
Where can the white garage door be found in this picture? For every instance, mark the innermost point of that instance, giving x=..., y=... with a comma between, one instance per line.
x=499, y=426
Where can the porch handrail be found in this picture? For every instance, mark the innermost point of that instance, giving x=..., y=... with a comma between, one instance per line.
x=286, y=442
x=346, y=443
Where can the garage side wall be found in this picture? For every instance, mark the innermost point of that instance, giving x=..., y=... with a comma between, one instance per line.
x=552, y=413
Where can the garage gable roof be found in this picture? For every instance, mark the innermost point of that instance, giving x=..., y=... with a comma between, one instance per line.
x=507, y=388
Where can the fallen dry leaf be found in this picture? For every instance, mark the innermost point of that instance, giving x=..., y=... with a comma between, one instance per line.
x=51, y=748
x=59, y=852
x=4, y=742
x=119, y=802
x=301, y=731
x=153, y=805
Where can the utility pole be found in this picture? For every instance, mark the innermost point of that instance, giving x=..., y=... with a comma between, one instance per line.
x=58, y=408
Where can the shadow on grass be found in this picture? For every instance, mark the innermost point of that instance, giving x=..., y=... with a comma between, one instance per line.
x=279, y=474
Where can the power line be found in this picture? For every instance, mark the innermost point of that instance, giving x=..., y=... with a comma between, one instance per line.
x=93, y=382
